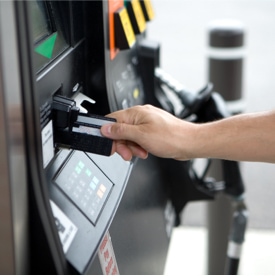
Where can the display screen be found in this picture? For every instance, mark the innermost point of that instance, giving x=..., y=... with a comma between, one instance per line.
x=50, y=28
x=42, y=26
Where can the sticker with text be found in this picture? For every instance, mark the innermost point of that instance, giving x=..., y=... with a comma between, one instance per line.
x=47, y=144
x=66, y=229
x=107, y=257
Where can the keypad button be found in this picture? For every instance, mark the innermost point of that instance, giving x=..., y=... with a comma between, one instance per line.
x=84, y=184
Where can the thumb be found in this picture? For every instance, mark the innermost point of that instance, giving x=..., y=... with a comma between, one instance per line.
x=118, y=131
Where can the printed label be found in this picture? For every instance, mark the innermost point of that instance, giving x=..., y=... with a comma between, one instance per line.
x=47, y=143
x=107, y=257
x=66, y=229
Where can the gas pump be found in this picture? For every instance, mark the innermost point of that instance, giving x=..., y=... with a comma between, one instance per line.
x=83, y=211
x=86, y=189
x=76, y=62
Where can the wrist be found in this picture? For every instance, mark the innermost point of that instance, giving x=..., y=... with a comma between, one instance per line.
x=189, y=141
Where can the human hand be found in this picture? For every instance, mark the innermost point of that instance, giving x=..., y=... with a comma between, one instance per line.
x=146, y=129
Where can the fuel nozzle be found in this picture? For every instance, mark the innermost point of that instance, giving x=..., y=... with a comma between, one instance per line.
x=192, y=102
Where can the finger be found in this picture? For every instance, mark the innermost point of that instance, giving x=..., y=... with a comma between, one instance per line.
x=127, y=150
x=119, y=131
x=124, y=151
x=138, y=151
x=121, y=116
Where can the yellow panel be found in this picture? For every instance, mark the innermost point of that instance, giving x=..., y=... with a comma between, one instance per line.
x=139, y=15
x=127, y=26
x=149, y=9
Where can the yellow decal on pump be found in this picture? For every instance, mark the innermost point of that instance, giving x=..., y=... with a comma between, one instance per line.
x=139, y=15
x=149, y=9
x=127, y=26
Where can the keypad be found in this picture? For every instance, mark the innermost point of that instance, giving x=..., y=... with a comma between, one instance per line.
x=83, y=182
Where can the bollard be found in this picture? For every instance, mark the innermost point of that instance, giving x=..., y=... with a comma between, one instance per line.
x=225, y=57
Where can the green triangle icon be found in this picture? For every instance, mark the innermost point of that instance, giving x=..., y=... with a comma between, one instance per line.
x=46, y=47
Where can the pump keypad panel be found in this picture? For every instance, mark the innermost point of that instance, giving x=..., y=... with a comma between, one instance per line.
x=84, y=184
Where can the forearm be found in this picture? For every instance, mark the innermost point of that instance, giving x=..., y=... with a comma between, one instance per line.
x=247, y=137
x=146, y=129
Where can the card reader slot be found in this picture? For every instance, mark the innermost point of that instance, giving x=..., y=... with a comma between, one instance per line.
x=79, y=131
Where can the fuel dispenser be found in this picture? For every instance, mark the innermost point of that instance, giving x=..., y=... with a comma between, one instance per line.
x=76, y=62
x=101, y=63
x=77, y=210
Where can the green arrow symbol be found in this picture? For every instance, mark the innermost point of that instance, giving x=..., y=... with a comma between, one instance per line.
x=46, y=47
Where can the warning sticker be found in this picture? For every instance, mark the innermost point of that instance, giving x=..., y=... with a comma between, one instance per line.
x=66, y=229
x=107, y=257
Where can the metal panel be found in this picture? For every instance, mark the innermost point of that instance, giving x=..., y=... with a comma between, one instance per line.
x=13, y=187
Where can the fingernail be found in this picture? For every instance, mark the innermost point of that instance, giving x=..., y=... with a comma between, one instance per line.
x=109, y=127
x=106, y=129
